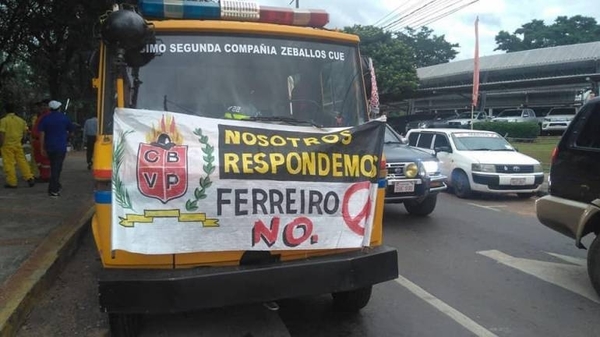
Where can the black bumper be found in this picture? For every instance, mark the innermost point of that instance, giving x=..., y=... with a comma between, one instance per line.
x=168, y=291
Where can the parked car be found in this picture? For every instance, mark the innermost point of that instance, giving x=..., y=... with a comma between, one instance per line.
x=464, y=119
x=516, y=116
x=481, y=161
x=439, y=120
x=558, y=119
x=572, y=206
x=413, y=176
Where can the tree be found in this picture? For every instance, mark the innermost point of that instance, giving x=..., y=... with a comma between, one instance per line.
x=536, y=34
x=393, y=60
x=428, y=49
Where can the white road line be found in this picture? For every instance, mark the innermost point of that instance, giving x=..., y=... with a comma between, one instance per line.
x=491, y=208
x=570, y=259
x=571, y=277
x=456, y=315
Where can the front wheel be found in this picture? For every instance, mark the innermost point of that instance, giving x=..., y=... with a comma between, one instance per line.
x=593, y=264
x=423, y=208
x=353, y=300
x=124, y=325
x=461, y=185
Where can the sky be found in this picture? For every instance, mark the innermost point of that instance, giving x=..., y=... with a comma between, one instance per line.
x=494, y=16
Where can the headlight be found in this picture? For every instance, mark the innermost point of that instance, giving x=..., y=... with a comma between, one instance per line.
x=411, y=170
x=489, y=168
x=547, y=119
x=422, y=125
x=431, y=166
x=537, y=168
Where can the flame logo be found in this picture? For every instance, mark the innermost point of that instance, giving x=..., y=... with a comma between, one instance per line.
x=167, y=127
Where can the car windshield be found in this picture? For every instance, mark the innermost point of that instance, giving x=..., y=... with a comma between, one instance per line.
x=391, y=137
x=260, y=77
x=467, y=115
x=510, y=113
x=565, y=111
x=478, y=141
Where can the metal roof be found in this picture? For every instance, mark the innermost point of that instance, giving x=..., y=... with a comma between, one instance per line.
x=523, y=59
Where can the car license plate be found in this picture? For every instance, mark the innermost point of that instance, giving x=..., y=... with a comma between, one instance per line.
x=517, y=181
x=404, y=186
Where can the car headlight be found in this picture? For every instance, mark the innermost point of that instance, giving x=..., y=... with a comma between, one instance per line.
x=547, y=119
x=411, y=170
x=489, y=168
x=431, y=167
x=537, y=168
x=422, y=125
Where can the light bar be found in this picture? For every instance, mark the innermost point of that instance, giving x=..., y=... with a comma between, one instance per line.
x=240, y=10
x=296, y=17
x=232, y=10
x=179, y=9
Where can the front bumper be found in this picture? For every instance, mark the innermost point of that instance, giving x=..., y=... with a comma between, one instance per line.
x=423, y=188
x=501, y=183
x=166, y=291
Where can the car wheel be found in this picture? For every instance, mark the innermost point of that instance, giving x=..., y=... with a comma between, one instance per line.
x=461, y=185
x=423, y=208
x=525, y=195
x=353, y=300
x=124, y=325
x=593, y=263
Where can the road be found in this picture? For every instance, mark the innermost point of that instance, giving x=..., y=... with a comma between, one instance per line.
x=479, y=267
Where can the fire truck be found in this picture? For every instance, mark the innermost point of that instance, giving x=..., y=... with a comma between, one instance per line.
x=235, y=160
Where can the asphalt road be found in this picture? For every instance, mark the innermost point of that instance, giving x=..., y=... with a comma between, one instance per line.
x=483, y=267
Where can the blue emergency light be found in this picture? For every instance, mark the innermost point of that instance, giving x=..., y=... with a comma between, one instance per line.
x=232, y=10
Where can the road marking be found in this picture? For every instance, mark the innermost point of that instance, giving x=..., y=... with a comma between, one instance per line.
x=568, y=276
x=454, y=314
x=491, y=208
x=570, y=259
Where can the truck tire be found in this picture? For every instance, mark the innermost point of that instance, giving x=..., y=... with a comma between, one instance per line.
x=461, y=185
x=124, y=325
x=593, y=263
x=353, y=300
x=423, y=208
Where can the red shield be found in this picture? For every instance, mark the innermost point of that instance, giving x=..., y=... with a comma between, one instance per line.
x=162, y=171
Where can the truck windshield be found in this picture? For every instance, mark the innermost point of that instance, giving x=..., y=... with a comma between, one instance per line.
x=251, y=76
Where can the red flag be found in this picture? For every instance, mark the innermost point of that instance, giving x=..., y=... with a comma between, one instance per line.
x=476, y=65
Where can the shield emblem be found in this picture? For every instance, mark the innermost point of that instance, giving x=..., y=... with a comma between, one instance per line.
x=162, y=171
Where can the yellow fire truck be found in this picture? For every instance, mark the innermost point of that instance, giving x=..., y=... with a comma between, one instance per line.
x=292, y=147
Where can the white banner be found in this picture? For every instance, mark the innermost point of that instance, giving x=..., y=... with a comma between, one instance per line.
x=184, y=183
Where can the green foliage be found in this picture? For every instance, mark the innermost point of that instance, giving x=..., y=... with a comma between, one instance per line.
x=394, y=61
x=536, y=34
x=120, y=192
x=208, y=168
x=428, y=49
x=528, y=130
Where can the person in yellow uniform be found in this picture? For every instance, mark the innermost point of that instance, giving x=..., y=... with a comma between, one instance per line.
x=12, y=130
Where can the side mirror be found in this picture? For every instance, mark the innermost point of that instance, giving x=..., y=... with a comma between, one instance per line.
x=442, y=149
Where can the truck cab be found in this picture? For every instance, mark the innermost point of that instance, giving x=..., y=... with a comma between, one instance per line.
x=234, y=147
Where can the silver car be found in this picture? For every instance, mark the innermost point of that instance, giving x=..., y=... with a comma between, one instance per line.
x=516, y=116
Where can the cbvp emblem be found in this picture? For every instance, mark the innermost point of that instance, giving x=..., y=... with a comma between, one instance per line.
x=162, y=164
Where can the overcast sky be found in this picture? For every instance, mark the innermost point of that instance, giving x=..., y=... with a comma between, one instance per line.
x=494, y=16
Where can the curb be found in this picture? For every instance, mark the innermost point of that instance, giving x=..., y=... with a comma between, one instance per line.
x=28, y=284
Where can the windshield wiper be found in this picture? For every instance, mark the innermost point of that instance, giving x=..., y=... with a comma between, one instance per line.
x=288, y=120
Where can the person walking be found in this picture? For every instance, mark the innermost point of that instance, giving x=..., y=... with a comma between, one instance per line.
x=90, y=129
x=12, y=130
x=54, y=130
x=43, y=163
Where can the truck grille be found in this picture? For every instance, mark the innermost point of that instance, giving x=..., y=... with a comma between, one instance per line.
x=395, y=170
x=515, y=169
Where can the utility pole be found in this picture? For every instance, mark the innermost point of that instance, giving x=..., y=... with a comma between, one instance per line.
x=297, y=3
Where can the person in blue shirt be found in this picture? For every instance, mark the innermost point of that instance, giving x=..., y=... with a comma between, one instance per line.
x=54, y=131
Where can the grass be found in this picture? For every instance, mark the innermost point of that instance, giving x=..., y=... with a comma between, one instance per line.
x=540, y=149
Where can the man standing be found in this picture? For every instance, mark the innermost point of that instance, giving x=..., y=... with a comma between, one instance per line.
x=43, y=163
x=90, y=129
x=54, y=130
x=12, y=130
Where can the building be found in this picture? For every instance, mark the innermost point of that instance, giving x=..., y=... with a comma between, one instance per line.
x=538, y=78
